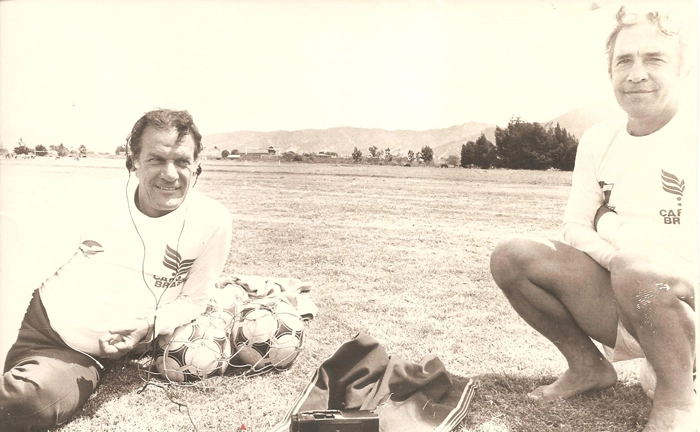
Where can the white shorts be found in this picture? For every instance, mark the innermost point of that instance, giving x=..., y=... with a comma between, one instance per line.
x=626, y=346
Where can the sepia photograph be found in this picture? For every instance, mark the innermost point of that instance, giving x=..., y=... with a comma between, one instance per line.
x=350, y=216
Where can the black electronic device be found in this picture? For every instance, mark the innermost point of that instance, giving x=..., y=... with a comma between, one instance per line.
x=335, y=421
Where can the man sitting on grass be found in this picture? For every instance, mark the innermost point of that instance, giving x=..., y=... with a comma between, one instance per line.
x=143, y=266
x=626, y=271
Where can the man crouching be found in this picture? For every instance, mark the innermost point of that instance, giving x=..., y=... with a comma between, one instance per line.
x=625, y=273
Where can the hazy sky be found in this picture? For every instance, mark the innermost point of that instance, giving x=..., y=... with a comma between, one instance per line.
x=83, y=72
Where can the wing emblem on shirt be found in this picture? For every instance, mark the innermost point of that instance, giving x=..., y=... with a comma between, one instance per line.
x=90, y=247
x=173, y=260
x=672, y=184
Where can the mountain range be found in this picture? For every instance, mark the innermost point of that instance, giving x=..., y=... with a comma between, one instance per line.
x=343, y=140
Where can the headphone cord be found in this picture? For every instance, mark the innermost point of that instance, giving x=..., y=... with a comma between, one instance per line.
x=170, y=283
x=157, y=300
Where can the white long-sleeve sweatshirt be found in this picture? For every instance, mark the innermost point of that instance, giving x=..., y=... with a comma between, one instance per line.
x=649, y=181
x=131, y=266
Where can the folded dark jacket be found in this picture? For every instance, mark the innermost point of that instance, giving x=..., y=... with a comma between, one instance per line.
x=406, y=396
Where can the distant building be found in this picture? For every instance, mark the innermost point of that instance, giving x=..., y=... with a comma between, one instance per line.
x=256, y=151
x=210, y=153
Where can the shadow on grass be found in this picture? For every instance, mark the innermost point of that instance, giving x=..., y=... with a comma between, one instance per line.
x=501, y=404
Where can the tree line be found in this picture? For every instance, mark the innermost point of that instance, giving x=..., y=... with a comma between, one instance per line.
x=425, y=155
x=41, y=150
x=522, y=145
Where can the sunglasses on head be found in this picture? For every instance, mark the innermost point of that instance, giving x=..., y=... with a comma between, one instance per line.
x=663, y=22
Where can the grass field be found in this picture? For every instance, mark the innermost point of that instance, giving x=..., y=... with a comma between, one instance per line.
x=400, y=253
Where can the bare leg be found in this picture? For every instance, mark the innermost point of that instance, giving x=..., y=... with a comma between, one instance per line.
x=655, y=291
x=567, y=297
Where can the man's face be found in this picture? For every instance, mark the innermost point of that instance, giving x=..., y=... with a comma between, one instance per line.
x=164, y=169
x=646, y=71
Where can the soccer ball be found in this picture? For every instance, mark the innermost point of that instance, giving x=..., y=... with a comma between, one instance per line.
x=266, y=334
x=197, y=350
x=647, y=378
x=228, y=298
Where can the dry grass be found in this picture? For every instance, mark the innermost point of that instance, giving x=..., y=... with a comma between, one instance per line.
x=401, y=253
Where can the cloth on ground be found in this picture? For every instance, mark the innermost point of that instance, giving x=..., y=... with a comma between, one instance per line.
x=264, y=287
x=406, y=396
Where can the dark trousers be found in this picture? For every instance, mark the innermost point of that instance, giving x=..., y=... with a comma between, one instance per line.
x=45, y=382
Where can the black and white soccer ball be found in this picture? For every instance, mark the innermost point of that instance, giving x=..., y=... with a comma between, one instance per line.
x=197, y=350
x=267, y=334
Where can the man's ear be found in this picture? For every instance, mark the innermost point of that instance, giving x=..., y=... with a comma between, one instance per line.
x=198, y=163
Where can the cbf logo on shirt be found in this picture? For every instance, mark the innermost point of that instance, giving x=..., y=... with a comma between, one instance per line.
x=674, y=186
x=173, y=260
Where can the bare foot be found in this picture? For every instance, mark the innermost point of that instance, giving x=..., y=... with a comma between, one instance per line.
x=572, y=383
x=672, y=419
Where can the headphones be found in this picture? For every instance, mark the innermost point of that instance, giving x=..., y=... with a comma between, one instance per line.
x=130, y=162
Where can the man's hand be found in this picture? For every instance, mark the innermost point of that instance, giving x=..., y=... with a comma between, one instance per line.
x=599, y=214
x=120, y=340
